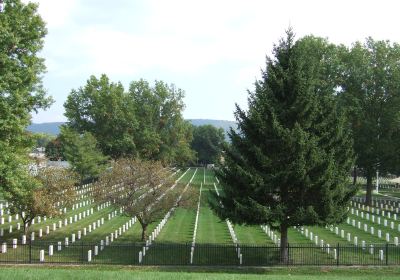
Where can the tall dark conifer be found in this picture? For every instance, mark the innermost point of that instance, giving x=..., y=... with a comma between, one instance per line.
x=289, y=163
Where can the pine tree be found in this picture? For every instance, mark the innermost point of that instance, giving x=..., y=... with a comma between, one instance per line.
x=289, y=163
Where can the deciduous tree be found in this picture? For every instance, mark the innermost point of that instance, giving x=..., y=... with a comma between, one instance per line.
x=370, y=95
x=21, y=39
x=82, y=153
x=144, y=189
x=38, y=195
x=207, y=143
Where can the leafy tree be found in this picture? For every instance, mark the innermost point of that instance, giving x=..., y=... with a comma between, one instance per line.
x=54, y=150
x=105, y=110
x=145, y=122
x=22, y=31
x=370, y=95
x=144, y=189
x=42, y=139
x=288, y=164
x=207, y=143
x=162, y=132
x=82, y=153
x=36, y=196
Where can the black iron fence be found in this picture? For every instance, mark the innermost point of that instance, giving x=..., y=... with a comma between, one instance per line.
x=199, y=255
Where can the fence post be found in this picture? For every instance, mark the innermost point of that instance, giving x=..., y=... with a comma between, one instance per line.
x=30, y=250
x=337, y=254
x=82, y=252
x=387, y=255
x=288, y=254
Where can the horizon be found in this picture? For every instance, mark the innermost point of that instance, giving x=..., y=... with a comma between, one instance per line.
x=184, y=118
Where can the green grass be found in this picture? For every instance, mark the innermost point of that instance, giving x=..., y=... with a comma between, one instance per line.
x=251, y=235
x=179, y=228
x=110, y=272
x=172, y=246
x=211, y=229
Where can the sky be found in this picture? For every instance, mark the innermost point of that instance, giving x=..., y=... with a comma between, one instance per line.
x=212, y=49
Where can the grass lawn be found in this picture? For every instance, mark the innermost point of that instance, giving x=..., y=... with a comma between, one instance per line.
x=115, y=272
x=211, y=229
x=179, y=228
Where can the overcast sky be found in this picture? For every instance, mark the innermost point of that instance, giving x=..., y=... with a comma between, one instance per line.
x=212, y=49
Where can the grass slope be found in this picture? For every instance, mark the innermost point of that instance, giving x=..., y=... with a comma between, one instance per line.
x=110, y=272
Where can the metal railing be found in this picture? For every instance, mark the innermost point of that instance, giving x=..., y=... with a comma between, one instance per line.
x=203, y=254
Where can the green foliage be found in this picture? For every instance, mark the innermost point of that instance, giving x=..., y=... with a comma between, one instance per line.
x=103, y=109
x=21, y=92
x=289, y=163
x=36, y=195
x=82, y=153
x=162, y=132
x=141, y=188
x=207, y=143
x=42, y=139
x=144, y=122
x=55, y=150
x=370, y=94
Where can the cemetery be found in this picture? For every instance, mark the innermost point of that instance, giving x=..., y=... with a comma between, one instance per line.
x=217, y=172
x=93, y=233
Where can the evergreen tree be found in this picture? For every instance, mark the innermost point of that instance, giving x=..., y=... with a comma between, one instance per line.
x=288, y=164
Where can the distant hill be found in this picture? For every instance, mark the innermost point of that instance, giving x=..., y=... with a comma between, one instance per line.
x=53, y=128
x=225, y=125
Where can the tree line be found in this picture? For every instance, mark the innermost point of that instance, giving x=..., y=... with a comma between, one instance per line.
x=105, y=122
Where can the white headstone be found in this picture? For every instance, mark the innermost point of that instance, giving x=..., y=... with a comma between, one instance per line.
x=41, y=255
x=89, y=256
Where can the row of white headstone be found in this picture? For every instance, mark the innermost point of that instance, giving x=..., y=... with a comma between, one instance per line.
x=37, y=219
x=368, y=215
x=371, y=230
x=355, y=240
x=54, y=227
x=65, y=223
x=96, y=248
x=271, y=234
x=371, y=218
x=376, y=210
x=382, y=204
x=154, y=235
x=231, y=232
x=195, y=226
x=109, y=239
x=74, y=237
x=159, y=227
x=326, y=247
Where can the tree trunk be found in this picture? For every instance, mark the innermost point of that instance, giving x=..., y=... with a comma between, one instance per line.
x=368, y=195
x=355, y=175
x=26, y=227
x=284, y=252
x=144, y=228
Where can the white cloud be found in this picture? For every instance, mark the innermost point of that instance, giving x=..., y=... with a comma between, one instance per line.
x=57, y=13
x=190, y=39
